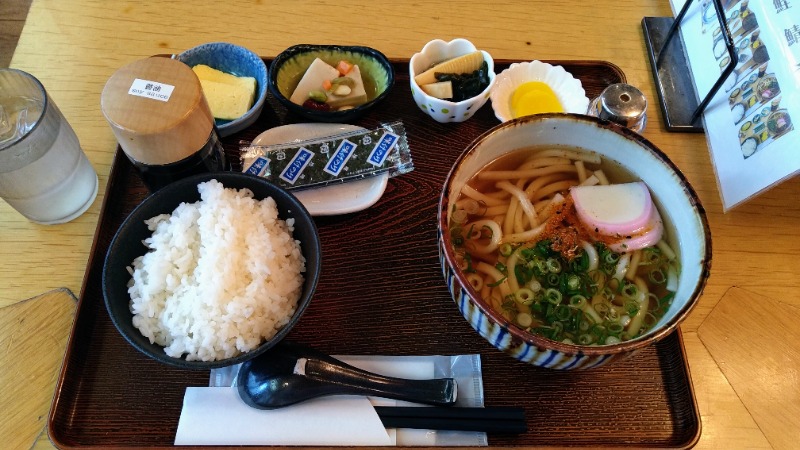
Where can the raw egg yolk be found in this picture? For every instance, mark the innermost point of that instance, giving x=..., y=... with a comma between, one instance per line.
x=534, y=97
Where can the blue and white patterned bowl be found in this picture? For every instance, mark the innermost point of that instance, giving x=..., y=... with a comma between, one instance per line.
x=238, y=61
x=684, y=220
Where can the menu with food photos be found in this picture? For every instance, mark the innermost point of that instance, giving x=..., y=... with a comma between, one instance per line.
x=749, y=123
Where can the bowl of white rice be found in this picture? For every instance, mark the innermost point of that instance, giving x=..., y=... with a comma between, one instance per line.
x=211, y=270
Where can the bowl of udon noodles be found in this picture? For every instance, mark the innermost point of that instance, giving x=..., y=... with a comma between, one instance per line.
x=569, y=242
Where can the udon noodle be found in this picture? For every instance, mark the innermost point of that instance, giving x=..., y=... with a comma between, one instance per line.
x=523, y=250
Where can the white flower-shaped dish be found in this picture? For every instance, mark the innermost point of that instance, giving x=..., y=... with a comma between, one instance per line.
x=442, y=110
x=567, y=88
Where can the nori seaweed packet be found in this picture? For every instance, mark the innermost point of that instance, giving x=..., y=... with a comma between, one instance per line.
x=352, y=155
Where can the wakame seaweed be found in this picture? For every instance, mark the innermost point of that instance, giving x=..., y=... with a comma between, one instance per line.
x=466, y=85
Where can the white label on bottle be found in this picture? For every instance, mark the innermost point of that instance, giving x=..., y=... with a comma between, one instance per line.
x=151, y=89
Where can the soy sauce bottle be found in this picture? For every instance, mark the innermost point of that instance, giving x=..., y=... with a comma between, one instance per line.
x=162, y=121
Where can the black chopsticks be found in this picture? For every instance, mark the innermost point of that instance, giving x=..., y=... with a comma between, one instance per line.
x=493, y=419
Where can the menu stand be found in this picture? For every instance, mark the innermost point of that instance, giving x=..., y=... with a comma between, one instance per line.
x=672, y=73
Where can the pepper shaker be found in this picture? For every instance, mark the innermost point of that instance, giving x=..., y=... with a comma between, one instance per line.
x=623, y=104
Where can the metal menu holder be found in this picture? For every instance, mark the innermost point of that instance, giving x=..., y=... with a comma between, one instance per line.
x=672, y=73
x=746, y=55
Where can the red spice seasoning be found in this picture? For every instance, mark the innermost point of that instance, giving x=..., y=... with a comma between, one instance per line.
x=566, y=231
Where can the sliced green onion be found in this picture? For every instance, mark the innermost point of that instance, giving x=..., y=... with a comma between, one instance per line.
x=652, y=299
x=615, y=328
x=468, y=259
x=580, y=263
x=612, y=340
x=553, y=265
x=598, y=277
x=542, y=248
x=522, y=273
x=572, y=283
x=657, y=276
x=665, y=301
x=598, y=330
x=509, y=305
x=552, y=296
x=577, y=301
x=611, y=257
x=601, y=308
x=563, y=312
x=588, y=288
x=539, y=266
x=630, y=290
x=585, y=339
x=497, y=283
x=650, y=255
x=560, y=298
x=524, y=296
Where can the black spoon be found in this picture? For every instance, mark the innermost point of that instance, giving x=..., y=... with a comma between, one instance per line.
x=291, y=373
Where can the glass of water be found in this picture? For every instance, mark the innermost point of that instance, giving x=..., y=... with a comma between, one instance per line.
x=44, y=174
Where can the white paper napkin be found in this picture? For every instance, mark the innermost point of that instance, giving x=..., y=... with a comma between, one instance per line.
x=217, y=416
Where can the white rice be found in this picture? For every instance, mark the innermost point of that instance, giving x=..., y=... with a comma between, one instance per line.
x=222, y=275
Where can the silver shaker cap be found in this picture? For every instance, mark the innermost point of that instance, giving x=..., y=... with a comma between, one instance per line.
x=623, y=104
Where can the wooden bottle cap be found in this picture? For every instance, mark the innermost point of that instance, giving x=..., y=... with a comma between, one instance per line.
x=157, y=110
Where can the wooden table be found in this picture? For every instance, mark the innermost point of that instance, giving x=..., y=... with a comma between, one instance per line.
x=73, y=48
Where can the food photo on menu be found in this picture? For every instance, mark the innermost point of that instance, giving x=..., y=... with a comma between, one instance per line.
x=749, y=123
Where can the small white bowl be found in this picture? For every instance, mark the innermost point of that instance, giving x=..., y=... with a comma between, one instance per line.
x=442, y=110
x=567, y=88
